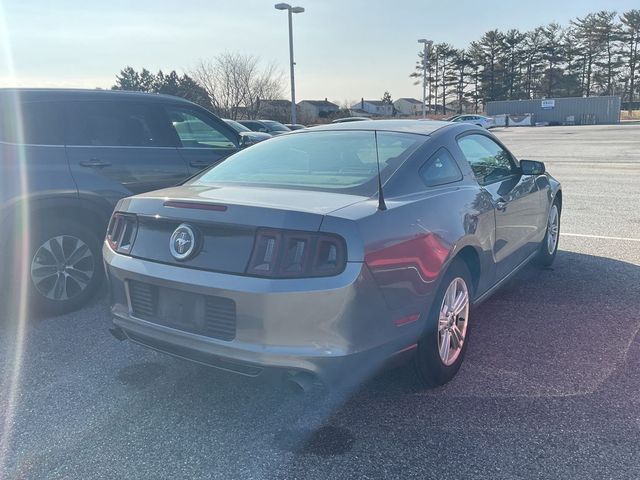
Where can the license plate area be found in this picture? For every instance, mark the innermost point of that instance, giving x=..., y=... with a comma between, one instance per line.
x=206, y=315
x=180, y=309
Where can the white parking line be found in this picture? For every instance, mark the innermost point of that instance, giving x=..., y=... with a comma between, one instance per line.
x=624, y=239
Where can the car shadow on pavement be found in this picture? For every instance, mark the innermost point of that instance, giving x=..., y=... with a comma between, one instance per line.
x=556, y=331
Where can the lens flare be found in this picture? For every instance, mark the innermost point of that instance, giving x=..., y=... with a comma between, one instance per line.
x=15, y=281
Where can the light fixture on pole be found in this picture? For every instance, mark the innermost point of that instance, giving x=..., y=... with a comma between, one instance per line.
x=291, y=10
x=425, y=61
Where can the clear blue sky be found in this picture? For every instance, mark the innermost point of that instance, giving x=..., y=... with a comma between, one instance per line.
x=345, y=49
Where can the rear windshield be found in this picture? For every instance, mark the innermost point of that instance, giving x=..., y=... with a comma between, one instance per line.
x=342, y=161
x=275, y=126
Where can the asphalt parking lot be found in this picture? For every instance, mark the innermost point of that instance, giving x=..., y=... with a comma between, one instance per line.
x=549, y=387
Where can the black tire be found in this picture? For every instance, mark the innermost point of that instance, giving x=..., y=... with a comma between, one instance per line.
x=545, y=257
x=430, y=368
x=68, y=235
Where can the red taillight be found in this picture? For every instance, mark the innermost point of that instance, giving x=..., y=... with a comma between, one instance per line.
x=292, y=254
x=121, y=232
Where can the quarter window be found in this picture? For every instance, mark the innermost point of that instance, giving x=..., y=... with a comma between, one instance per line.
x=440, y=169
x=489, y=161
x=196, y=130
x=36, y=123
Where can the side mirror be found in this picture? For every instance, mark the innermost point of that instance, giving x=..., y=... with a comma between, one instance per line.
x=532, y=167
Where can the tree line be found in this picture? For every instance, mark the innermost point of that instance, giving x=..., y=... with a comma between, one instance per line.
x=231, y=84
x=598, y=54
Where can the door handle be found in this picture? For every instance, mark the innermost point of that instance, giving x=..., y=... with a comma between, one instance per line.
x=200, y=164
x=94, y=162
x=501, y=205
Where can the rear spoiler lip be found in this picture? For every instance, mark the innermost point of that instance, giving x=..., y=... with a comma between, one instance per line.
x=195, y=205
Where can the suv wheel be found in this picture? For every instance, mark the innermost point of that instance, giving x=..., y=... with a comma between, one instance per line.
x=65, y=267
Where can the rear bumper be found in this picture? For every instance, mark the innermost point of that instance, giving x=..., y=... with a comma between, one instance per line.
x=325, y=326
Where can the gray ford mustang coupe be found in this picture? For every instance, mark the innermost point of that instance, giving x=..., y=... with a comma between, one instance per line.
x=330, y=252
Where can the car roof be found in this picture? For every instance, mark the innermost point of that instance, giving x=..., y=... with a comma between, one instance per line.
x=52, y=94
x=422, y=127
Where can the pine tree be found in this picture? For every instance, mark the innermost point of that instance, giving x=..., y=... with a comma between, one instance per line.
x=491, y=47
x=609, y=63
x=533, y=63
x=513, y=47
x=630, y=36
x=128, y=79
x=553, y=56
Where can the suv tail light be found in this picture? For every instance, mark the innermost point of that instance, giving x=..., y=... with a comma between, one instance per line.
x=121, y=232
x=292, y=254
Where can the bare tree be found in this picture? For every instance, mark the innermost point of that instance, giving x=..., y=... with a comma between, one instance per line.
x=237, y=83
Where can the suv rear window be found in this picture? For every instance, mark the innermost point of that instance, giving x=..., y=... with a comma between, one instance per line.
x=32, y=123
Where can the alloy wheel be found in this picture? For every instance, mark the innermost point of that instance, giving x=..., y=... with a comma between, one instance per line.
x=553, y=229
x=453, y=321
x=62, y=267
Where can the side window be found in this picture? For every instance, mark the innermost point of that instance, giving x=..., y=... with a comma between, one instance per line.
x=117, y=124
x=41, y=124
x=196, y=130
x=489, y=161
x=441, y=168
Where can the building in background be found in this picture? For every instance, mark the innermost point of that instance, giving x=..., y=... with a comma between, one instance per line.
x=278, y=110
x=409, y=107
x=376, y=108
x=562, y=111
x=312, y=110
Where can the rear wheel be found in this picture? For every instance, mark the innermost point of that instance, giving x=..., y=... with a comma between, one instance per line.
x=549, y=245
x=65, y=267
x=442, y=347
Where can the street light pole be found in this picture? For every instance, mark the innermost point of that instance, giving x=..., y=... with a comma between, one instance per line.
x=291, y=10
x=425, y=60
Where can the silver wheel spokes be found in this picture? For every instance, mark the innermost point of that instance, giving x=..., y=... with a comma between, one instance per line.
x=62, y=267
x=553, y=229
x=453, y=321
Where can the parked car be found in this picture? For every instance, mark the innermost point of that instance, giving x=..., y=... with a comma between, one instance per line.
x=289, y=255
x=350, y=119
x=266, y=126
x=68, y=156
x=251, y=136
x=294, y=126
x=479, y=120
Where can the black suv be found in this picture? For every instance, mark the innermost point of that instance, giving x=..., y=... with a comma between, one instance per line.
x=66, y=158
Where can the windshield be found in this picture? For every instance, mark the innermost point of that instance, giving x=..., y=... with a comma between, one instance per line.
x=238, y=127
x=343, y=161
x=275, y=126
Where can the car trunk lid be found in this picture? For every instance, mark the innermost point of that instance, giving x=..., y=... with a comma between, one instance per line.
x=224, y=219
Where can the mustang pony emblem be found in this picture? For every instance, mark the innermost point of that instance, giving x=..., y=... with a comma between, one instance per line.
x=183, y=242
